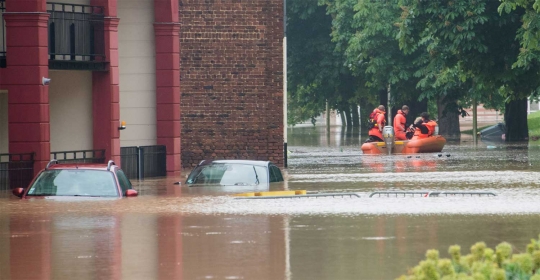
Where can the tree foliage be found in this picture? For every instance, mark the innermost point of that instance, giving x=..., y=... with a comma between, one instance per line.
x=469, y=49
x=452, y=52
x=316, y=71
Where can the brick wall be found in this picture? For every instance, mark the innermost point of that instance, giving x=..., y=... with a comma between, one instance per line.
x=231, y=80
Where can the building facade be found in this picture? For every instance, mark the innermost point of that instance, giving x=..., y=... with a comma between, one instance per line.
x=231, y=80
x=204, y=79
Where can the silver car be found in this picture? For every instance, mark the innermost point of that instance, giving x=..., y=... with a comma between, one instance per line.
x=234, y=173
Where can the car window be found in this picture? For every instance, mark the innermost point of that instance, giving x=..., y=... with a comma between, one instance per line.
x=273, y=177
x=229, y=174
x=275, y=174
x=77, y=182
x=125, y=184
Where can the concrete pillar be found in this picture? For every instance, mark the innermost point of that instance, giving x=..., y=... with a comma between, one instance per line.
x=27, y=60
x=167, y=42
x=106, y=90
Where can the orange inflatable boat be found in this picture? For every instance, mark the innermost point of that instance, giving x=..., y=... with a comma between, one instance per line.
x=432, y=144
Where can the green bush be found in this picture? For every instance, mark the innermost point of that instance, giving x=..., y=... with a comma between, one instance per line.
x=482, y=263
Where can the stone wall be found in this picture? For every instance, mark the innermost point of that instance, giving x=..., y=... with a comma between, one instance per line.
x=231, y=68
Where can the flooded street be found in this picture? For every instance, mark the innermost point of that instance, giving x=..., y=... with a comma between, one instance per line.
x=176, y=232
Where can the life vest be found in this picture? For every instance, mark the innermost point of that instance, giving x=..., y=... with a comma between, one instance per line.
x=431, y=126
x=373, y=117
x=418, y=133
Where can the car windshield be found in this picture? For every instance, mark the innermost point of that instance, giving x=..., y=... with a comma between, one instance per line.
x=77, y=182
x=228, y=174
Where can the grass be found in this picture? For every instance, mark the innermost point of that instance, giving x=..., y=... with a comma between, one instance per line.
x=533, y=119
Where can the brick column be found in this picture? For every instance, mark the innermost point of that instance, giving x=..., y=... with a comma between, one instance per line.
x=27, y=60
x=106, y=90
x=167, y=43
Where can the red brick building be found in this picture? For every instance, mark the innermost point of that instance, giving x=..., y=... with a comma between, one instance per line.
x=231, y=80
x=202, y=78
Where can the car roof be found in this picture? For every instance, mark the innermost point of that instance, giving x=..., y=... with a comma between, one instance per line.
x=55, y=165
x=93, y=166
x=237, y=161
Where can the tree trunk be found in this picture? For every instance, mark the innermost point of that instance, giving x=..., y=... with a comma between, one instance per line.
x=347, y=111
x=342, y=115
x=365, y=109
x=515, y=118
x=448, y=116
x=355, y=116
x=383, y=97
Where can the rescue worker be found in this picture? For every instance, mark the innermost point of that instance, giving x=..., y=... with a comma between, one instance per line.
x=400, y=127
x=420, y=129
x=430, y=124
x=375, y=133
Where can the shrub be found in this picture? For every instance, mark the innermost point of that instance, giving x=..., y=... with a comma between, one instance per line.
x=482, y=263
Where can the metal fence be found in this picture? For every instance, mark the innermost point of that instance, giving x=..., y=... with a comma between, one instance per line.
x=82, y=156
x=139, y=162
x=2, y=35
x=76, y=32
x=16, y=170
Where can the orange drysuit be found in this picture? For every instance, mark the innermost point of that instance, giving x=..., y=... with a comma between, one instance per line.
x=399, y=126
x=431, y=124
x=377, y=130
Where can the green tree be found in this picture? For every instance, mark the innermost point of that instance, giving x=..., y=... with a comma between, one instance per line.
x=364, y=31
x=316, y=71
x=468, y=51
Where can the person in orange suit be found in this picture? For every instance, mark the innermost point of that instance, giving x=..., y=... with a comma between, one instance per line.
x=420, y=129
x=400, y=127
x=430, y=124
x=377, y=117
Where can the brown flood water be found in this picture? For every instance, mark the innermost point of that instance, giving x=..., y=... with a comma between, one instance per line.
x=176, y=232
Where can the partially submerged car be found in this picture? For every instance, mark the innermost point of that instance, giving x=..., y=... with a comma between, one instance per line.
x=494, y=133
x=234, y=173
x=79, y=179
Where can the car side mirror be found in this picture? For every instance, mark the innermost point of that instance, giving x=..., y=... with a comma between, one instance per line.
x=18, y=192
x=131, y=193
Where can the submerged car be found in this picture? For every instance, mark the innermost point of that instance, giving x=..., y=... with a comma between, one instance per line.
x=79, y=179
x=234, y=173
x=494, y=133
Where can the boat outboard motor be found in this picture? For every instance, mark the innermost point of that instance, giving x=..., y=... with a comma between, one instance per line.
x=436, y=132
x=388, y=135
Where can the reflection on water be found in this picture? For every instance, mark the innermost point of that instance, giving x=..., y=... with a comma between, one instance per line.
x=176, y=232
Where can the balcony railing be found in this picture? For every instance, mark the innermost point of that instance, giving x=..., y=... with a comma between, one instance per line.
x=2, y=35
x=76, y=34
x=81, y=156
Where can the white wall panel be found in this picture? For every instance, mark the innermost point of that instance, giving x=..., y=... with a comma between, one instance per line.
x=137, y=72
x=130, y=82
x=70, y=101
x=139, y=115
x=139, y=65
x=136, y=132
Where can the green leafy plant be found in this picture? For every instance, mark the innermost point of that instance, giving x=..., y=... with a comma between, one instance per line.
x=482, y=263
